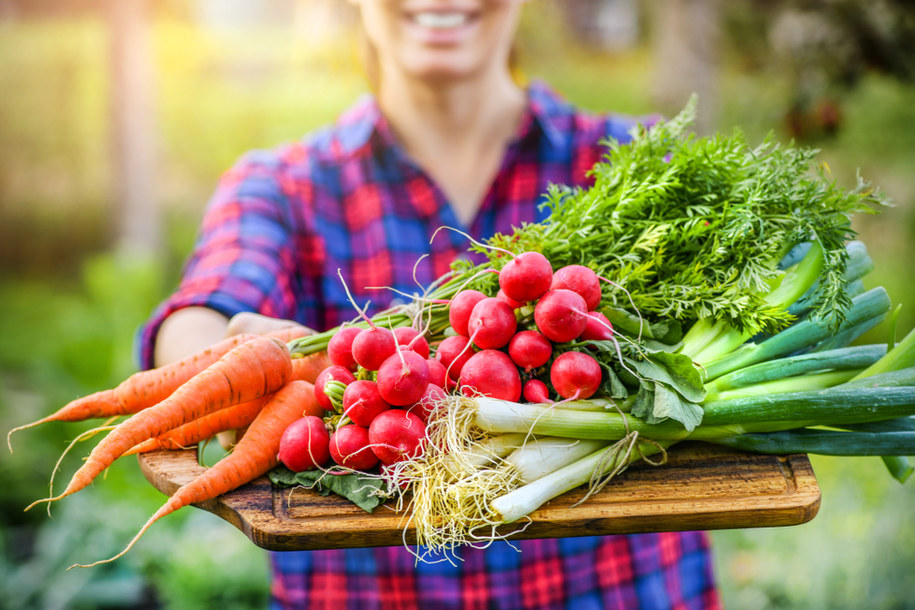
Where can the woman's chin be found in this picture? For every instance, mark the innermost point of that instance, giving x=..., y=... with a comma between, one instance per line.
x=443, y=69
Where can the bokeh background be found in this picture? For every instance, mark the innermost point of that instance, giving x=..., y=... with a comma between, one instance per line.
x=118, y=116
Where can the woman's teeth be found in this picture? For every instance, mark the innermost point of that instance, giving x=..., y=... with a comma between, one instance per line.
x=440, y=20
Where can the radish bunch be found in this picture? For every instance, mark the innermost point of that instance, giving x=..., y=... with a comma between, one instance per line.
x=377, y=392
x=505, y=346
x=383, y=383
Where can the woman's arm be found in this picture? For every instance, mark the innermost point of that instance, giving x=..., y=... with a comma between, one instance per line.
x=192, y=329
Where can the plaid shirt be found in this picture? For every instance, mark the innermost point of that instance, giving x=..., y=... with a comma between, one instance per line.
x=280, y=226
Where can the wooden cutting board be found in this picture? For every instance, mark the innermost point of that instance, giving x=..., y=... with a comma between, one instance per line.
x=701, y=487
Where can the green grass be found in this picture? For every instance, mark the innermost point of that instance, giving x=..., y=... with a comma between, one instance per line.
x=71, y=308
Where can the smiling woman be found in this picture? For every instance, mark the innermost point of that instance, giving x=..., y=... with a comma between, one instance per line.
x=448, y=138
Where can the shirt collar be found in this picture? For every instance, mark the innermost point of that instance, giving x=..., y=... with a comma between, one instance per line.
x=546, y=111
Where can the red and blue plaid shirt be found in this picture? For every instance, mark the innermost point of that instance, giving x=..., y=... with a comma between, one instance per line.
x=280, y=226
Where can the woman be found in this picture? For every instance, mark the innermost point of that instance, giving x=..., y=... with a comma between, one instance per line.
x=449, y=139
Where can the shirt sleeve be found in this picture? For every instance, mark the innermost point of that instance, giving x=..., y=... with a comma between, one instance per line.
x=243, y=258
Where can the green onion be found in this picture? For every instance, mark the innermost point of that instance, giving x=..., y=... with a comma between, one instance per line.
x=542, y=456
x=524, y=500
x=901, y=356
x=825, y=442
x=842, y=359
x=873, y=303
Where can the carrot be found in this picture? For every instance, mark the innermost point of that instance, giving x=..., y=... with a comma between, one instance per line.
x=191, y=433
x=230, y=418
x=307, y=368
x=289, y=333
x=254, y=455
x=253, y=369
x=141, y=390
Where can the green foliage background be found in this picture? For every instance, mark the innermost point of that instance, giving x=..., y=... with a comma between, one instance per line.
x=71, y=305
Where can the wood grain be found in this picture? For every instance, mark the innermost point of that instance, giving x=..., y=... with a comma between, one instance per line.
x=701, y=487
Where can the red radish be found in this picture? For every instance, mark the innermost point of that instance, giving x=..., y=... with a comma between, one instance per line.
x=598, y=327
x=510, y=301
x=526, y=277
x=337, y=373
x=349, y=447
x=372, y=346
x=529, y=349
x=403, y=378
x=362, y=402
x=580, y=279
x=561, y=315
x=492, y=323
x=535, y=391
x=304, y=444
x=454, y=352
x=340, y=347
x=492, y=373
x=426, y=404
x=412, y=339
x=396, y=435
x=575, y=375
x=437, y=372
x=461, y=306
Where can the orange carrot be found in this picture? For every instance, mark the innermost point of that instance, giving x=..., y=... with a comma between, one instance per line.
x=289, y=333
x=254, y=455
x=191, y=433
x=141, y=390
x=307, y=368
x=231, y=418
x=253, y=369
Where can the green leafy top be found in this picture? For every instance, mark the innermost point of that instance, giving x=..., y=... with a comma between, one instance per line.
x=694, y=227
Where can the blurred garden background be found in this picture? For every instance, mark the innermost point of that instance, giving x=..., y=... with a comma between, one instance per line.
x=118, y=116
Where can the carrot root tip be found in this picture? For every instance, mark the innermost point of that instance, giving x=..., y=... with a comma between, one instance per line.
x=37, y=502
x=9, y=435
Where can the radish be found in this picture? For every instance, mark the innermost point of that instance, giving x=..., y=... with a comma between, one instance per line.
x=526, y=277
x=403, y=378
x=362, y=402
x=580, y=279
x=535, y=391
x=461, y=306
x=529, y=349
x=334, y=372
x=510, y=301
x=453, y=352
x=304, y=444
x=492, y=373
x=396, y=435
x=561, y=315
x=575, y=375
x=598, y=327
x=491, y=324
x=437, y=372
x=349, y=447
x=372, y=346
x=340, y=347
x=411, y=338
x=426, y=404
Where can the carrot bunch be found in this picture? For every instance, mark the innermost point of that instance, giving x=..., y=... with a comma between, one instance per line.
x=248, y=382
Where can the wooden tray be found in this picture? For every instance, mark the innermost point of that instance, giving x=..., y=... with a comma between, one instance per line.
x=701, y=487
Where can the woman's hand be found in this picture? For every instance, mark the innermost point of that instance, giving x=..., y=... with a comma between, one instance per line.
x=248, y=322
